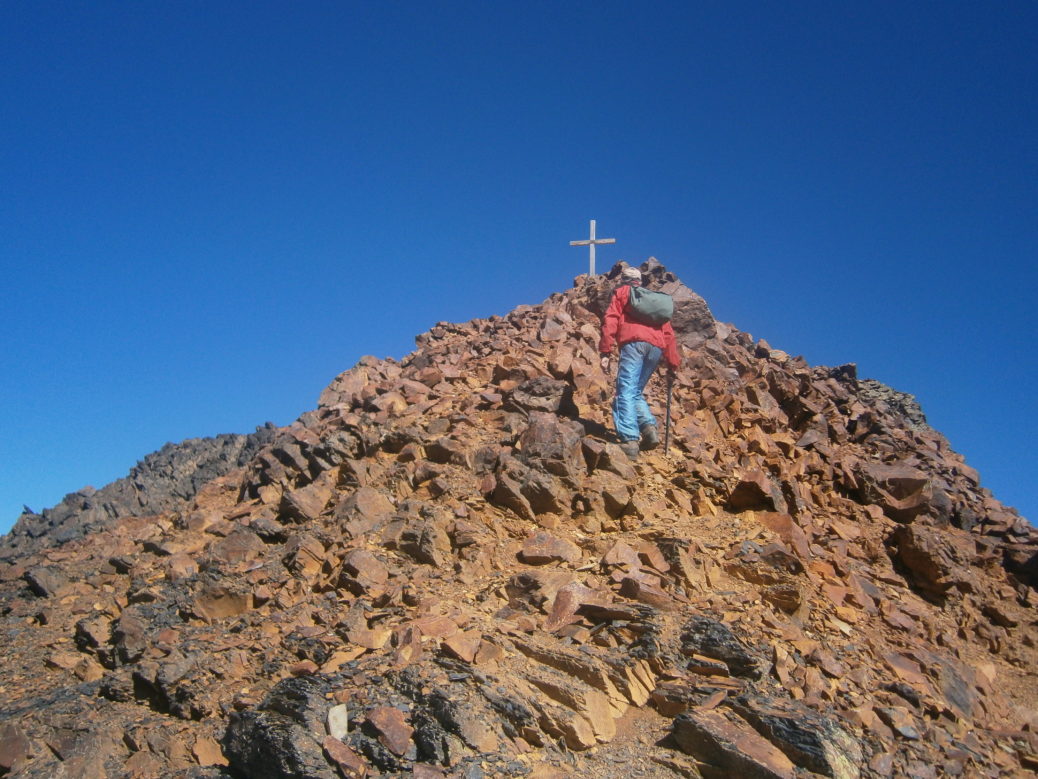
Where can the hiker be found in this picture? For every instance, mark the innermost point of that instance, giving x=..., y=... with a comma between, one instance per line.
x=642, y=345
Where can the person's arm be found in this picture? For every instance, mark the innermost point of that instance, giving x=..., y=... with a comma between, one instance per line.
x=612, y=319
x=671, y=353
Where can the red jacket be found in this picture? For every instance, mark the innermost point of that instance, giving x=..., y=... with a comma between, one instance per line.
x=616, y=326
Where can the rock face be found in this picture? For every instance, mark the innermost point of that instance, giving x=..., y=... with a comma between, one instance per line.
x=448, y=568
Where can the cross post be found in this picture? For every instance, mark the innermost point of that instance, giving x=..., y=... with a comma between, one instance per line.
x=591, y=243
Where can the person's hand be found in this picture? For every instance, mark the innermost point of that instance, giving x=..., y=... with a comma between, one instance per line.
x=605, y=363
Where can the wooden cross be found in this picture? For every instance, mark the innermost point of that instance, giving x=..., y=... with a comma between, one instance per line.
x=592, y=242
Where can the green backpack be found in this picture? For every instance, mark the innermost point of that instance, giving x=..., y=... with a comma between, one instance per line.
x=648, y=307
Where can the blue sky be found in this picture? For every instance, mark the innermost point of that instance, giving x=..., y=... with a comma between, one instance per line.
x=211, y=209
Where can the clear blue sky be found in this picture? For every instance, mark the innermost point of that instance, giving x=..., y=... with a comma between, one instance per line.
x=209, y=209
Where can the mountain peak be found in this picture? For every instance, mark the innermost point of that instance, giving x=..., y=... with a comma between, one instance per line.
x=449, y=567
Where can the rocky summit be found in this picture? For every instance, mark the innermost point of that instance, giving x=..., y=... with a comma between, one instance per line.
x=450, y=568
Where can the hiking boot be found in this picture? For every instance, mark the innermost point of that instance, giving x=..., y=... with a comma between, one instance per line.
x=630, y=448
x=650, y=437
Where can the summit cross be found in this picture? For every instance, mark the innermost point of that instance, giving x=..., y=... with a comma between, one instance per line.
x=591, y=243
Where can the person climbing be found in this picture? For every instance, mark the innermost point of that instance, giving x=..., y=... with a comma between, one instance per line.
x=642, y=345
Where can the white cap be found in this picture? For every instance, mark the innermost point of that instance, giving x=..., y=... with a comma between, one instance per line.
x=630, y=272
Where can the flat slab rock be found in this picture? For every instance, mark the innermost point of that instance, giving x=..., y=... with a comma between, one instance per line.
x=728, y=746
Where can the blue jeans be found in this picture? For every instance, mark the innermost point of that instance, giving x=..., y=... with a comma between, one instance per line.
x=638, y=360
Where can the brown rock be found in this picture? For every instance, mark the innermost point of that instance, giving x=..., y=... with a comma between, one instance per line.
x=616, y=494
x=562, y=722
x=592, y=705
x=435, y=626
x=613, y=460
x=218, y=602
x=93, y=633
x=463, y=646
x=363, y=510
x=390, y=404
x=786, y=596
x=130, y=637
x=507, y=492
x=553, y=444
x=180, y=566
x=362, y=572
x=755, y=491
x=208, y=752
x=729, y=744
x=788, y=530
x=901, y=721
x=542, y=548
x=348, y=762
x=306, y=503
x=536, y=587
x=567, y=602
x=241, y=546
x=447, y=450
x=46, y=581
x=673, y=698
x=645, y=592
x=488, y=653
x=304, y=555
x=391, y=729
x=303, y=668
x=902, y=491
x=368, y=638
x=423, y=771
x=143, y=765
x=426, y=542
x=623, y=555
x=15, y=747
x=543, y=394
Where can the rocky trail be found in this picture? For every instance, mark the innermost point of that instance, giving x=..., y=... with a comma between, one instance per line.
x=449, y=569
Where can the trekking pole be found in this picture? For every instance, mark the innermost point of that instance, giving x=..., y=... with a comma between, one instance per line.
x=666, y=429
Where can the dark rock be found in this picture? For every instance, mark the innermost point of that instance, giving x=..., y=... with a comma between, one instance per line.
x=808, y=739
x=161, y=481
x=708, y=637
x=283, y=736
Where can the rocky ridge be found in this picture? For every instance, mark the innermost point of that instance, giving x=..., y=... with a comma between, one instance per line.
x=163, y=481
x=448, y=569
